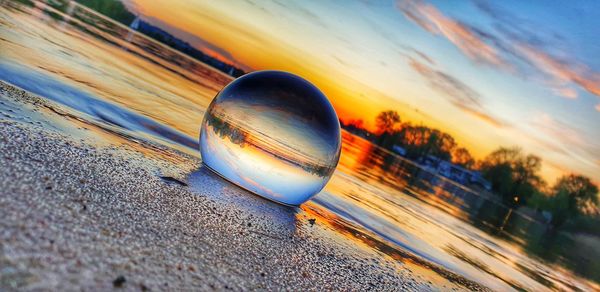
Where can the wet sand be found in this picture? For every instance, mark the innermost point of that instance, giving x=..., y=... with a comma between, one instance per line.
x=83, y=208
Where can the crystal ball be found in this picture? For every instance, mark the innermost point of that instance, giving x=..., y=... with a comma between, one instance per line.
x=274, y=134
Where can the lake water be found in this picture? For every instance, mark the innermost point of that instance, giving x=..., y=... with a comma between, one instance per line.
x=118, y=78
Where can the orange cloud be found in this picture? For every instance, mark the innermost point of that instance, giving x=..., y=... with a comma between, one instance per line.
x=562, y=71
x=509, y=49
x=567, y=92
x=432, y=20
x=456, y=92
x=485, y=117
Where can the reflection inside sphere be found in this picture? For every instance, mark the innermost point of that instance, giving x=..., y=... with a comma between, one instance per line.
x=274, y=134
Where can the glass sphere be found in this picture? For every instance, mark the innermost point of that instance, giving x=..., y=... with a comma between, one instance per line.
x=274, y=134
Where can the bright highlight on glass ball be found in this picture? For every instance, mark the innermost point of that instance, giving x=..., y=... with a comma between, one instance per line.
x=274, y=134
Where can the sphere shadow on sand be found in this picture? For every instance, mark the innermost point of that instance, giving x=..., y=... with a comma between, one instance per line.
x=263, y=212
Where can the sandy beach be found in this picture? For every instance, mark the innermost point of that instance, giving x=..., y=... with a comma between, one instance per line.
x=84, y=208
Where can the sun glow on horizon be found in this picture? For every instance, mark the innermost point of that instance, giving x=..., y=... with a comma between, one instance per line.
x=424, y=60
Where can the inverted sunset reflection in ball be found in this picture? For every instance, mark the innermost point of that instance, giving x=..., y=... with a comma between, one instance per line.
x=274, y=134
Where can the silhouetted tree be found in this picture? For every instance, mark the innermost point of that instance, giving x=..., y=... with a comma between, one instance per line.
x=572, y=196
x=358, y=123
x=387, y=124
x=462, y=156
x=421, y=141
x=513, y=175
x=387, y=121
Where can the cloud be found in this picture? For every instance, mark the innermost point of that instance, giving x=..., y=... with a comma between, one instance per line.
x=432, y=20
x=557, y=130
x=456, y=92
x=598, y=107
x=566, y=92
x=511, y=44
x=557, y=136
x=424, y=56
x=563, y=71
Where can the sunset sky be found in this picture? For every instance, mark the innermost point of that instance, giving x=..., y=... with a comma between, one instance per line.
x=491, y=74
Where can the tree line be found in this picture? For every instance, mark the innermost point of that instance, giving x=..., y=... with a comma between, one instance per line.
x=514, y=175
